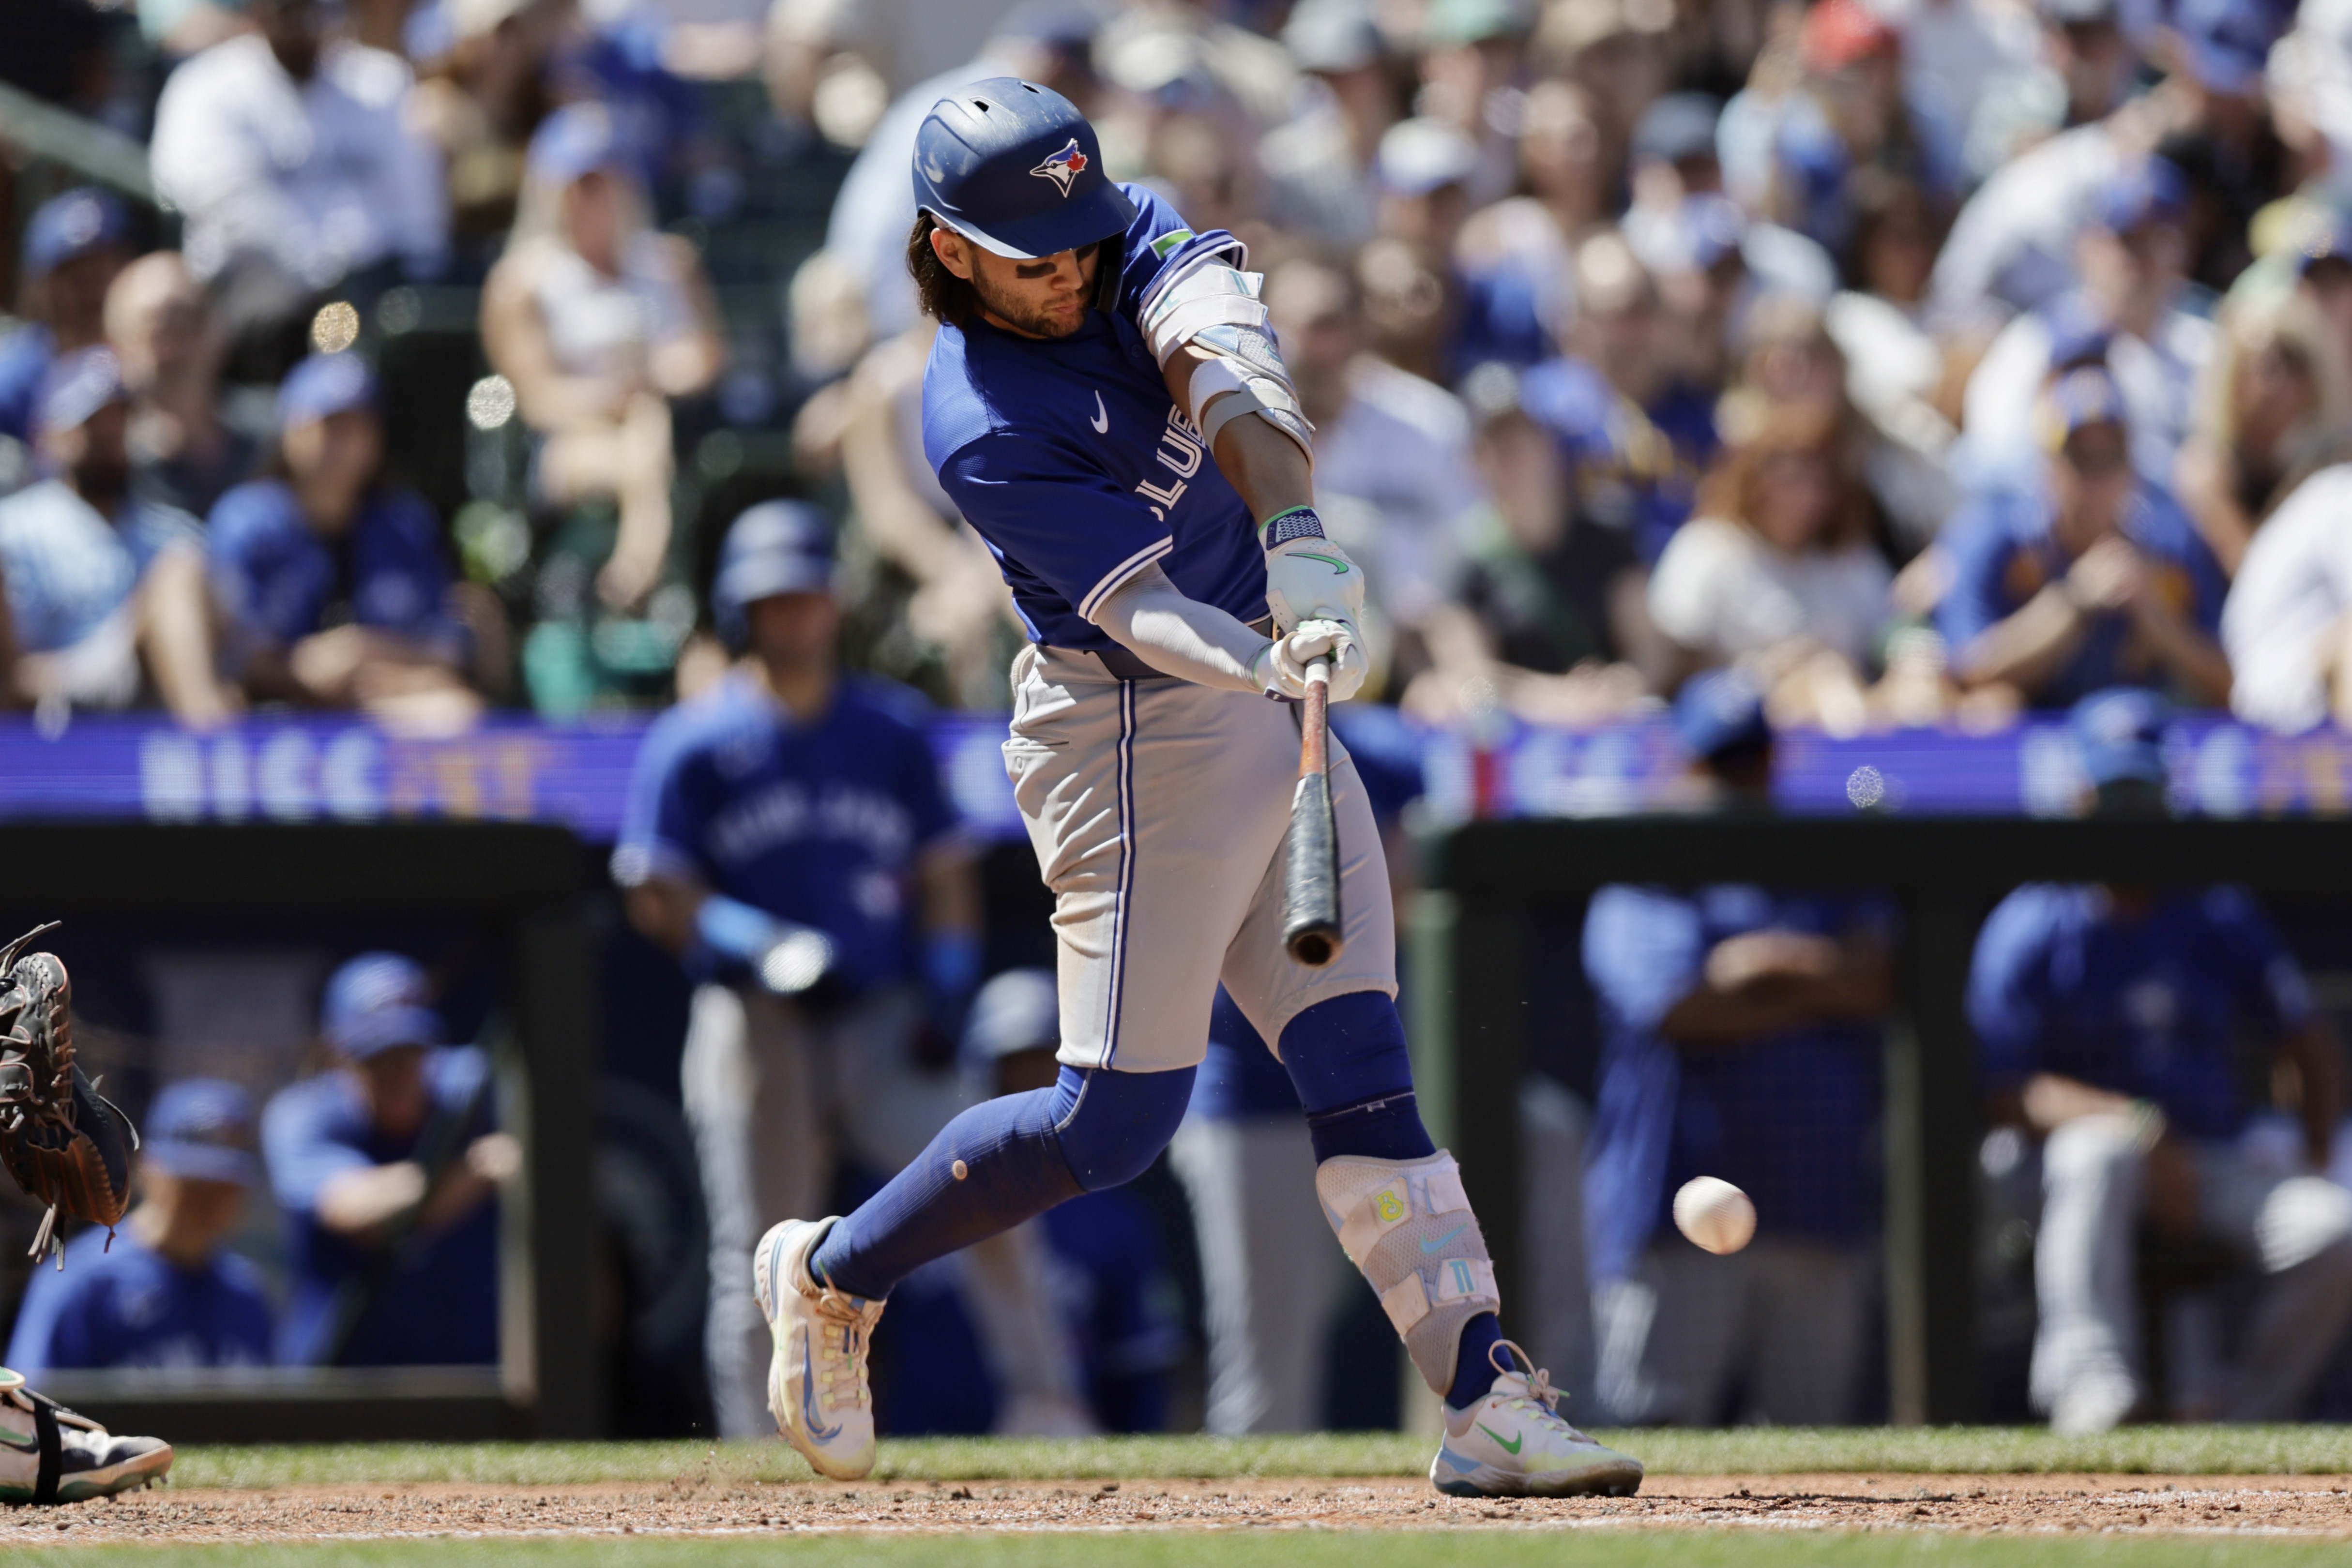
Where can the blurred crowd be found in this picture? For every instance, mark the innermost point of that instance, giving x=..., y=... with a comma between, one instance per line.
x=1927, y=360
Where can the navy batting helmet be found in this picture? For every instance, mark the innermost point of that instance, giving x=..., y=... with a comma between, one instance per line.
x=1014, y=167
x=777, y=547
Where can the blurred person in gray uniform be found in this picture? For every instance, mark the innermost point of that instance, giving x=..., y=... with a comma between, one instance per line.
x=1392, y=451
x=286, y=151
x=2108, y=1021
x=1271, y=1283
x=1049, y=42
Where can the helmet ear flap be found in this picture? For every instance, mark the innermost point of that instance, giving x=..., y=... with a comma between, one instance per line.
x=1110, y=259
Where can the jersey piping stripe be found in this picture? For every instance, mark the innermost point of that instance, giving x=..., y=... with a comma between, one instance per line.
x=1122, y=898
x=1117, y=575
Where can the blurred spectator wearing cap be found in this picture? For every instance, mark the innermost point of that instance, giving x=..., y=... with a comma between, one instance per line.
x=1520, y=250
x=599, y=319
x=2220, y=135
x=287, y=150
x=2108, y=1019
x=1423, y=171
x=182, y=452
x=386, y=1167
x=2131, y=256
x=1715, y=267
x=1740, y=1039
x=1392, y=471
x=1778, y=571
x=2274, y=399
x=2091, y=578
x=1318, y=168
x=1548, y=607
x=1474, y=66
x=786, y=835
x=163, y=1291
x=1635, y=433
x=1790, y=152
x=336, y=585
x=74, y=246
x=1049, y=42
x=1107, y=1280
x=102, y=594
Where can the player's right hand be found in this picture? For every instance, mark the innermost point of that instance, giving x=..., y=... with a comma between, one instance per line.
x=1318, y=638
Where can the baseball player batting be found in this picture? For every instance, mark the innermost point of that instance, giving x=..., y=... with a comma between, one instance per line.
x=1105, y=404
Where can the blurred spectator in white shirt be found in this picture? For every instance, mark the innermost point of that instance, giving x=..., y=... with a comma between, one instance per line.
x=1392, y=473
x=101, y=593
x=289, y=148
x=2287, y=623
x=182, y=453
x=2133, y=254
x=1317, y=169
x=599, y=319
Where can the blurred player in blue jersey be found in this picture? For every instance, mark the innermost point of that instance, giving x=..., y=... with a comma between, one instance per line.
x=786, y=835
x=1105, y=406
x=163, y=1291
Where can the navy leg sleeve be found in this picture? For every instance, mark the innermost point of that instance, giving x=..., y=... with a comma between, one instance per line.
x=1018, y=1156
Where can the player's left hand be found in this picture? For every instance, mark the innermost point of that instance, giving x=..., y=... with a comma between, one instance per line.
x=1320, y=638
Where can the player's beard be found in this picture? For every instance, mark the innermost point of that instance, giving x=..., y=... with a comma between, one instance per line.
x=1022, y=316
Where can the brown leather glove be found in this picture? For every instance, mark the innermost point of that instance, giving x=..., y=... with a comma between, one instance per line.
x=63, y=1141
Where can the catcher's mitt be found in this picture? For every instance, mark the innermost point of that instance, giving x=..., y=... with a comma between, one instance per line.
x=63, y=1141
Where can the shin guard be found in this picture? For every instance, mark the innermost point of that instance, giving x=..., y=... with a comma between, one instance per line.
x=1407, y=1225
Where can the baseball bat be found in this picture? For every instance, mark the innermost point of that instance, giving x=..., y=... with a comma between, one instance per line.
x=1310, y=871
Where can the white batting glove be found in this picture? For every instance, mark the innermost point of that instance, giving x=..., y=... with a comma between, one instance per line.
x=1312, y=578
x=1286, y=659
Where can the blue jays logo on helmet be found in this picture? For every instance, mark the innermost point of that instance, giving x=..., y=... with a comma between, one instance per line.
x=1064, y=166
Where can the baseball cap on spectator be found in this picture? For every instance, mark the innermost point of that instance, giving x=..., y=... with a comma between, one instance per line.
x=72, y=225
x=1066, y=26
x=1838, y=33
x=1333, y=36
x=201, y=1128
x=375, y=1002
x=1450, y=22
x=1020, y=1010
x=2079, y=335
x=2151, y=191
x=1677, y=128
x=324, y=384
x=2225, y=44
x=1718, y=712
x=78, y=385
x=1418, y=156
x=2120, y=735
x=2080, y=398
x=577, y=139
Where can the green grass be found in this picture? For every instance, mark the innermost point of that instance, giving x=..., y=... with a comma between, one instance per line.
x=1285, y=1549
x=2145, y=1450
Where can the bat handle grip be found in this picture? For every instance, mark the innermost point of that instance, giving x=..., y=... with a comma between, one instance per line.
x=1314, y=749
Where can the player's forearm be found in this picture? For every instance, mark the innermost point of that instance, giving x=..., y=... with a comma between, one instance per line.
x=1266, y=468
x=1183, y=637
x=2318, y=1088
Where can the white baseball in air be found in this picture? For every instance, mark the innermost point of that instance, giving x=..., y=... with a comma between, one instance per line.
x=1715, y=1213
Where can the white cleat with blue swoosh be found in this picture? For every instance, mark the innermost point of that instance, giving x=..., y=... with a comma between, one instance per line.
x=1514, y=1443
x=817, y=1383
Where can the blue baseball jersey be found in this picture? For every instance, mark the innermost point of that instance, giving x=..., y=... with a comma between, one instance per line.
x=2145, y=1003
x=279, y=576
x=1076, y=467
x=1792, y=1119
x=126, y=1305
x=821, y=824
x=2002, y=554
x=439, y=1304
x=24, y=357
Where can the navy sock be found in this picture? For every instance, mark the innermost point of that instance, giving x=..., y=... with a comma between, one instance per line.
x=1018, y=1156
x=1348, y=1060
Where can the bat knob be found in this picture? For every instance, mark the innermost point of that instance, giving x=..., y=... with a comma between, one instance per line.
x=1314, y=947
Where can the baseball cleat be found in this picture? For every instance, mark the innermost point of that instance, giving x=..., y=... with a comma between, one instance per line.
x=816, y=1382
x=48, y=1454
x=1512, y=1443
